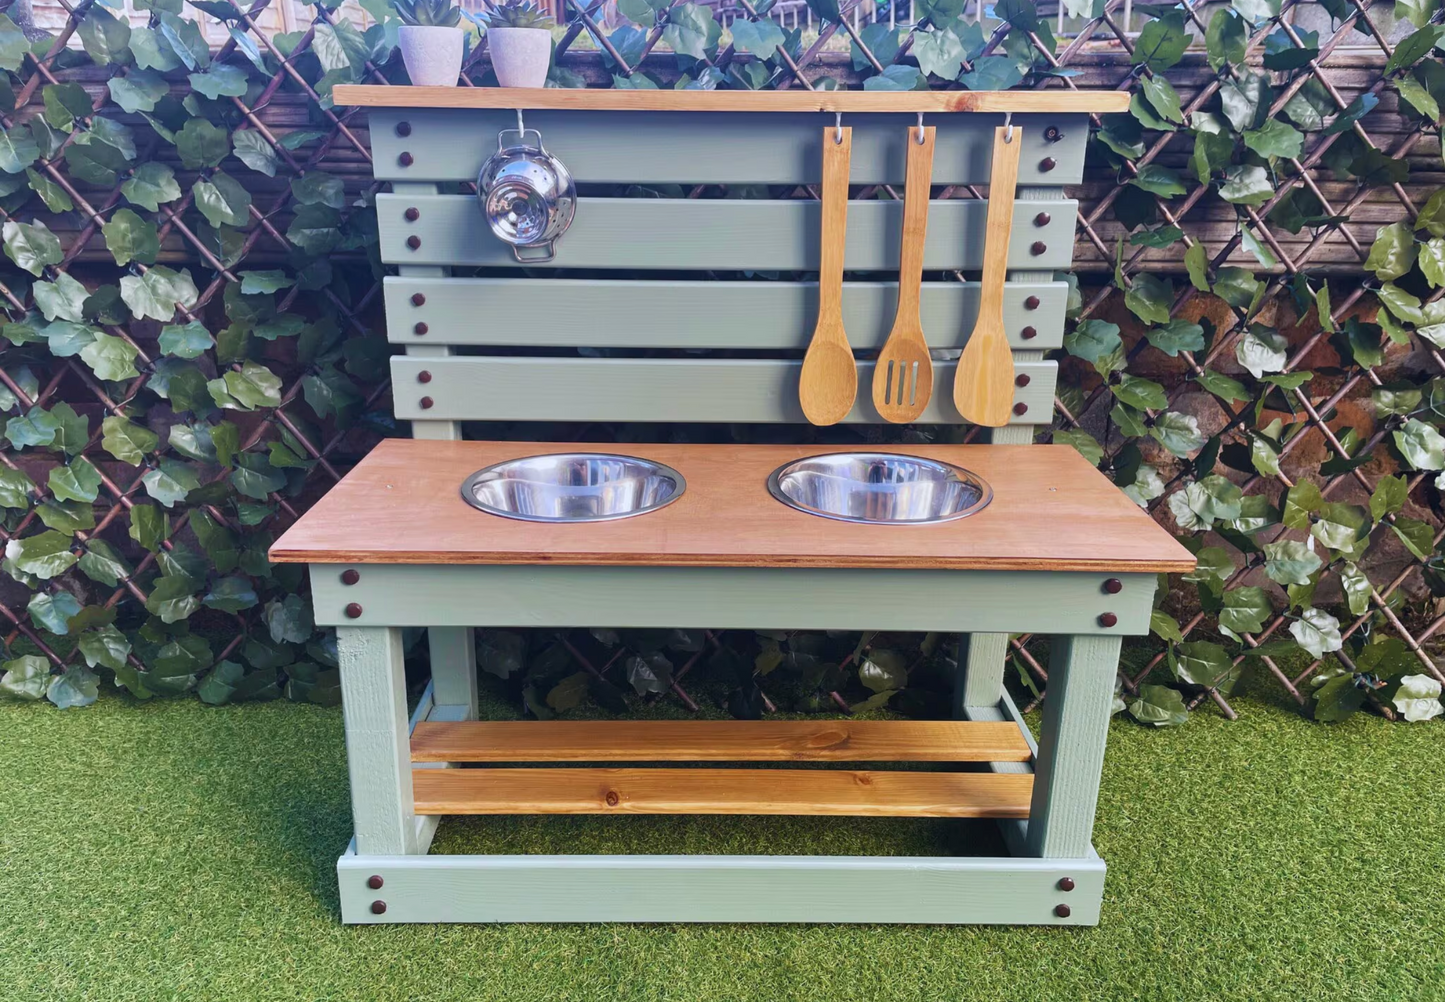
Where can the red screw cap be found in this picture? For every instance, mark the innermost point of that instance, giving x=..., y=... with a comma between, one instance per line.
x=1032, y=303
x=1037, y=248
x=423, y=376
x=412, y=214
x=403, y=129
x=406, y=160
x=1113, y=586
x=1029, y=333
x=427, y=403
x=417, y=299
x=1042, y=219
x=379, y=907
x=1066, y=883
x=1022, y=379
x=413, y=241
x=1108, y=619
x=350, y=577
x=1047, y=164
x=421, y=328
x=353, y=611
x=1063, y=911
x=374, y=882
x=1021, y=408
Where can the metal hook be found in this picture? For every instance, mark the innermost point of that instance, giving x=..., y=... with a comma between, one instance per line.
x=520, y=127
x=920, y=128
x=1008, y=125
x=838, y=129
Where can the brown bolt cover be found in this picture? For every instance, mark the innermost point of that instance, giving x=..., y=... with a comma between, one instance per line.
x=421, y=328
x=1063, y=911
x=1108, y=619
x=374, y=882
x=613, y=799
x=1032, y=303
x=379, y=907
x=423, y=376
x=426, y=403
x=1113, y=586
x=1022, y=379
x=1036, y=248
x=417, y=299
x=413, y=241
x=1021, y=408
x=406, y=159
x=350, y=577
x=403, y=129
x=412, y=214
x=353, y=611
x=1066, y=883
x=1029, y=333
x=1042, y=219
x=1047, y=164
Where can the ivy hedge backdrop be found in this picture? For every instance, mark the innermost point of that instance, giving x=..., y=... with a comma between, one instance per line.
x=193, y=347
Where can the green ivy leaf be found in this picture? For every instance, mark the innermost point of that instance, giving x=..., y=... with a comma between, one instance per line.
x=1160, y=181
x=1246, y=185
x=170, y=482
x=189, y=340
x=28, y=676
x=1338, y=698
x=105, y=646
x=76, y=481
x=137, y=91
x=222, y=200
x=151, y=186
x=127, y=441
x=1176, y=336
x=77, y=685
x=1275, y=139
x=130, y=238
x=1356, y=587
x=183, y=37
x=1086, y=444
x=100, y=562
x=1245, y=610
x=45, y=555
x=221, y=80
x=173, y=599
x=761, y=38
x=1388, y=497
x=53, y=611
x=62, y=299
x=1179, y=433
x=1162, y=42
x=1421, y=445
x=111, y=357
x=158, y=293
x=1357, y=109
x=1158, y=704
x=1092, y=340
x=1290, y=562
x=1411, y=50
x=106, y=37
x=149, y=526
x=16, y=489
x=1150, y=297
x=254, y=477
x=31, y=245
x=13, y=44
x=201, y=144
x=1393, y=252
x=232, y=594
x=1261, y=350
x=1418, y=537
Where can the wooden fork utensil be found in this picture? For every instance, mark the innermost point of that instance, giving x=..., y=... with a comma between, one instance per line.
x=903, y=377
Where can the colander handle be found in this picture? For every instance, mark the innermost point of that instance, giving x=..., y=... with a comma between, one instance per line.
x=521, y=134
x=548, y=250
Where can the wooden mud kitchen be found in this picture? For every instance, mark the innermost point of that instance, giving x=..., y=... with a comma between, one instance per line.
x=447, y=534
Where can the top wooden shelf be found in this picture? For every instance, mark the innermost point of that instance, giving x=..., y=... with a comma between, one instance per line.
x=846, y=101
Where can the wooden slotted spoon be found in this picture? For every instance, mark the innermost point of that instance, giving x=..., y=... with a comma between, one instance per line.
x=829, y=380
x=983, y=386
x=903, y=377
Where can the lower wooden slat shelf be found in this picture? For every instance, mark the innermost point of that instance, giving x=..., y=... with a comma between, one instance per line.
x=719, y=741
x=722, y=791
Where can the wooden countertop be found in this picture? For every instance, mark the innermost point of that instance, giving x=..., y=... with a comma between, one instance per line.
x=610, y=99
x=1051, y=511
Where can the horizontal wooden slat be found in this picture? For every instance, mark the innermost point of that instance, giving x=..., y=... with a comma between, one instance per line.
x=722, y=791
x=719, y=741
x=602, y=147
x=764, y=391
x=760, y=315
x=1056, y=100
x=723, y=234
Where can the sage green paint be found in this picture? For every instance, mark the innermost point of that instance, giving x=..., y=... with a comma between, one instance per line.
x=591, y=888
x=641, y=147
x=680, y=234
x=1070, y=758
x=728, y=598
x=521, y=388
x=378, y=745
x=759, y=315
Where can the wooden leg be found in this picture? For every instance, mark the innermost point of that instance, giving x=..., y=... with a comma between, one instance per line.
x=453, y=672
x=1071, y=747
x=981, y=658
x=378, y=742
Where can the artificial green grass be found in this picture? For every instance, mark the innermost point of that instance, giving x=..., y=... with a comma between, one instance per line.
x=178, y=851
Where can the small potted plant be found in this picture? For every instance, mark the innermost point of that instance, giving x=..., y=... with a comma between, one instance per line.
x=432, y=41
x=519, y=37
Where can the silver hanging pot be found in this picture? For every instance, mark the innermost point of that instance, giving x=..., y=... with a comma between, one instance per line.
x=528, y=196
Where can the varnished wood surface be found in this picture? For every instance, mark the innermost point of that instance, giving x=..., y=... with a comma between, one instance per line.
x=828, y=384
x=1051, y=511
x=722, y=791
x=1061, y=101
x=719, y=741
x=983, y=387
x=903, y=376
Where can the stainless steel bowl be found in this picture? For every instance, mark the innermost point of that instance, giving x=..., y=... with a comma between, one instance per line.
x=573, y=487
x=879, y=487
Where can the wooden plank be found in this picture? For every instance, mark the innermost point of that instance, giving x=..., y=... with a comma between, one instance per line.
x=742, y=390
x=1051, y=511
x=373, y=706
x=546, y=593
x=681, y=234
x=1034, y=102
x=730, y=148
x=719, y=741
x=849, y=792
x=709, y=888
x=1071, y=745
x=598, y=313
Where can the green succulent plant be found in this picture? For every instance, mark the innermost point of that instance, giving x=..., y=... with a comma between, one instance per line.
x=516, y=14
x=431, y=13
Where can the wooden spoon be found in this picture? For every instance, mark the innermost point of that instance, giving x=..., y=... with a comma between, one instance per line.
x=830, y=376
x=983, y=386
x=903, y=377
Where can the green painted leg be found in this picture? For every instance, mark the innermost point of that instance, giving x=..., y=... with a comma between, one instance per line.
x=453, y=672
x=1071, y=747
x=981, y=658
x=378, y=743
